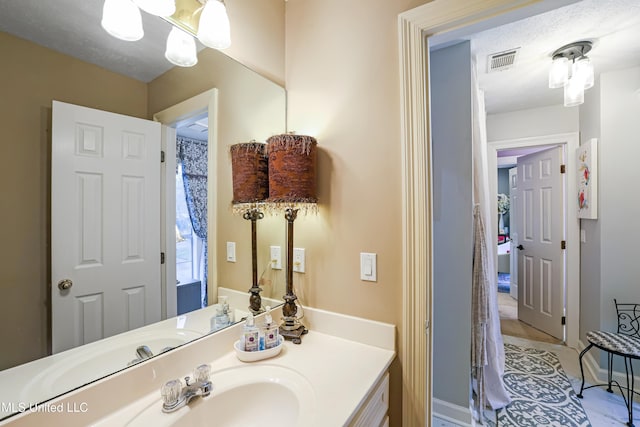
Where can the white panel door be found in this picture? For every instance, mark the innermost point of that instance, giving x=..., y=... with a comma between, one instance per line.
x=105, y=224
x=513, y=232
x=540, y=225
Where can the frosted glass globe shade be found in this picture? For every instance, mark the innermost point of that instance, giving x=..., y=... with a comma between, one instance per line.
x=122, y=19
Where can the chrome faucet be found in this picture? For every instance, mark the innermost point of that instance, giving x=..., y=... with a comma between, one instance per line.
x=175, y=395
x=143, y=352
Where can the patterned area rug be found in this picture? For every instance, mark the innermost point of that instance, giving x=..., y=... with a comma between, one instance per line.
x=541, y=392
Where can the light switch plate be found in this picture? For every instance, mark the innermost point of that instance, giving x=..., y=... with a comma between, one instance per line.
x=276, y=257
x=231, y=251
x=298, y=260
x=368, y=267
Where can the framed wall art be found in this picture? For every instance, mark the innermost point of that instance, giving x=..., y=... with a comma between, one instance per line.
x=587, y=197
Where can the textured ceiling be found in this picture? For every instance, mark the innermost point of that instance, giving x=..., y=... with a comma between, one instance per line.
x=73, y=27
x=613, y=26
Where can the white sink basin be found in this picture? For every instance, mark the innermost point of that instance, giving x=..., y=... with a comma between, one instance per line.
x=245, y=396
x=96, y=360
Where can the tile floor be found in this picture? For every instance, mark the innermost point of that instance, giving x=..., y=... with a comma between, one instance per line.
x=603, y=409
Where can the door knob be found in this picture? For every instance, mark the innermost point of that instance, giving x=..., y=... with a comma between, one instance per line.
x=520, y=247
x=65, y=284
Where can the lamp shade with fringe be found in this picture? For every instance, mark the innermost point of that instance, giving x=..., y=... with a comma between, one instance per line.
x=249, y=170
x=292, y=169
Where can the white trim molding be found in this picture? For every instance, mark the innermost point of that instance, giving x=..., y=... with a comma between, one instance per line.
x=456, y=414
x=205, y=101
x=414, y=26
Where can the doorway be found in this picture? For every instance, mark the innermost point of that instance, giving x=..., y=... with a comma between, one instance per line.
x=515, y=148
x=183, y=115
x=191, y=212
x=524, y=321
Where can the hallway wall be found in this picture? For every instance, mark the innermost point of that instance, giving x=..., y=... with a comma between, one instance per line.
x=609, y=261
x=452, y=222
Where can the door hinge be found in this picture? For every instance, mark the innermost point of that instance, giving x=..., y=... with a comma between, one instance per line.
x=563, y=168
x=161, y=257
x=564, y=320
x=563, y=244
x=427, y=325
x=162, y=157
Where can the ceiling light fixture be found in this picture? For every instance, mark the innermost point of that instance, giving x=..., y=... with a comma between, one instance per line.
x=206, y=19
x=572, y=70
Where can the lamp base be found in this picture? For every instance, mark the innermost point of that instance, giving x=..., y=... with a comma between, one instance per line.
x=293, y=333
x=255, y=301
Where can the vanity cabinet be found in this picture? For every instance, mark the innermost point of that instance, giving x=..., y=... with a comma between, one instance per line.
x=374, y=411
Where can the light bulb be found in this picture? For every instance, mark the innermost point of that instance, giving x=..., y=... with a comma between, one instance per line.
x=122, y=19
x=157, y=7
x=214, y=29
x=573, y=92
x=558, y=73
x=181, y=48
x=583, y=70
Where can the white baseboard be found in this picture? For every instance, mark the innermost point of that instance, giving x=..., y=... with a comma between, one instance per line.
x=453, y=413
x=600, y=374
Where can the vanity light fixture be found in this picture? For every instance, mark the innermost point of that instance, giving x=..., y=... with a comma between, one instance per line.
x=250, y=178
x=206, y=19
x=181, y=48
x=572, y=70
x=292, y=187
x=122, y=19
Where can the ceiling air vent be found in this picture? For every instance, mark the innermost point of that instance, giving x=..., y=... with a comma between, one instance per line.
x=502, y=60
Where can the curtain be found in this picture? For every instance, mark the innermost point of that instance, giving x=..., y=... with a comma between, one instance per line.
x=192, y=154
x=487, y=345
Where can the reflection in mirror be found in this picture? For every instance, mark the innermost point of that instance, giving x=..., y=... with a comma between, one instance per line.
x=248, y=107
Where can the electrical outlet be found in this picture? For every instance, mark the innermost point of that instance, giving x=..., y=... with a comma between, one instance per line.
x=298, y=260
x=276, y=258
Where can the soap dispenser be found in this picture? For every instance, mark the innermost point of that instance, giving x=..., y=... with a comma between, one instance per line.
x=269, y=331
x=250, y=335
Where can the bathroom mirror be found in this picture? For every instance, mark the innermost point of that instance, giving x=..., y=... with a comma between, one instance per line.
x=33, y=76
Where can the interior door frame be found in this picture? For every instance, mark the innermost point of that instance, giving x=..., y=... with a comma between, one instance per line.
x=570, y=141
x=414, y=27
x=204, y=102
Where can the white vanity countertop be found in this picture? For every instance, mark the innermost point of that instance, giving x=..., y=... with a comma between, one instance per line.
x=28, y=384
x=341, y=373
x=342, y=357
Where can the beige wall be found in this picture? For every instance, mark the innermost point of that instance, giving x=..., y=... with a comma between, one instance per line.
x=257, y=36
x=343, y=87
x=250, y=107
x=31, y=77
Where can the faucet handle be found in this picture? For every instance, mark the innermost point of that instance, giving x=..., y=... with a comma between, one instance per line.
x=202, y=373
x=171, y=392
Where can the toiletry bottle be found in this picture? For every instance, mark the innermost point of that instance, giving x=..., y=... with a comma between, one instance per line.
x=220, y=320
x=225, y=308
x=270, y=331
x=249, y=340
